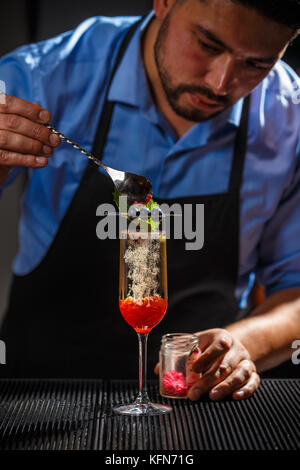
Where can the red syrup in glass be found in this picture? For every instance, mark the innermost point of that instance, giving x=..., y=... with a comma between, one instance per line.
x=143, y=314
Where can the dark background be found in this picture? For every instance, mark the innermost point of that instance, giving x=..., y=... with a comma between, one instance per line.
x=24, y=21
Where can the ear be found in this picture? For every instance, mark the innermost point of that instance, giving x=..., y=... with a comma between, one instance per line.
x=162, y=7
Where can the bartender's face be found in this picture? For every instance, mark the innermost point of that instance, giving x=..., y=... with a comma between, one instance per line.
x=210, y=53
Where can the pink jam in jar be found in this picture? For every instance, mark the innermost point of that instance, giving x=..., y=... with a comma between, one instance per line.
x=177, y=355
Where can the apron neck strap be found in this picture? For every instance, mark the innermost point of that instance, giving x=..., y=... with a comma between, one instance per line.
x=106, y=115
x=240, y=148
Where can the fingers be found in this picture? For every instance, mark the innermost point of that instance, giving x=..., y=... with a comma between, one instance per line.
x=248, y=389
x=20, y=107
x=239, y=377
x=225, y=365
x=24, y=141
x=20, y=125
x=219, y=345
x=21, y=144
x=242, y=382
x=9, y=159
x=209, y=379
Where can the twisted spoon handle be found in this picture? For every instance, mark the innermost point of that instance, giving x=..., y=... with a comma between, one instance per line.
x=75, y=146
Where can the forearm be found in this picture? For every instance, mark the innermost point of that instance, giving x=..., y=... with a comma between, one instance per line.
x=271, y=328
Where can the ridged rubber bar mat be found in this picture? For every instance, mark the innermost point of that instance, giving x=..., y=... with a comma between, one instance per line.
x=47, y=414
x=77, y=414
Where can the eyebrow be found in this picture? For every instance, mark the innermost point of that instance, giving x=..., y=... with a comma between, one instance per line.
x=212, y=37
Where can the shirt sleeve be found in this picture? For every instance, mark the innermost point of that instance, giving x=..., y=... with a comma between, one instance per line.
x=279, y=250
x=16, y=80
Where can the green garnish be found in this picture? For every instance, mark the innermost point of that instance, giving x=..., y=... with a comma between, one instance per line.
x=150, y=204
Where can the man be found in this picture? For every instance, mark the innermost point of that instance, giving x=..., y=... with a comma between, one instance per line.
x=193, y=98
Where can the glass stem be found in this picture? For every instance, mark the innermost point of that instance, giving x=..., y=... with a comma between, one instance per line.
x=143, y=394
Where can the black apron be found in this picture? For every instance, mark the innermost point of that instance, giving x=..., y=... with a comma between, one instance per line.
x=63, y=318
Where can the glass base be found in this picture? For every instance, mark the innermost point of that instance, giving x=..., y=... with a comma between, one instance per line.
x=142, y=409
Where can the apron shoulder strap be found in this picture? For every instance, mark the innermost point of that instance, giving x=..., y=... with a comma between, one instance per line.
x=106, y=115
x=240, y=148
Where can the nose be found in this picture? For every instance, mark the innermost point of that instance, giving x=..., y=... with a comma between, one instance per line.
x=220, y=74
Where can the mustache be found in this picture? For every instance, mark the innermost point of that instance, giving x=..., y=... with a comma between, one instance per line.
x=201, y=90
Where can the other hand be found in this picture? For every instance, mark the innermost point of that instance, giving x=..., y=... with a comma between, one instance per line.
x=226, y=367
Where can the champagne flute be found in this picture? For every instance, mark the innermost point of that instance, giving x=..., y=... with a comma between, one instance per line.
x=143, y=301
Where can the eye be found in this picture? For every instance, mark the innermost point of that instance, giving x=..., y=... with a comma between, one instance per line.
x=256, y=66
x=207, y=47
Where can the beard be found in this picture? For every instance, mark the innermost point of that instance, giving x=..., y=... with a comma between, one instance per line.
x=172, y=92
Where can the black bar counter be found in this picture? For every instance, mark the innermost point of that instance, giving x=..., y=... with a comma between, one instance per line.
x=77, y=415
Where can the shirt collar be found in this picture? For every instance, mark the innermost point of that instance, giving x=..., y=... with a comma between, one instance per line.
x=130, y=86
x=130, y=83
x=235, y=113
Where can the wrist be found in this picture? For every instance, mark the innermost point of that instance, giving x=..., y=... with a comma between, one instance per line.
x=252, y=334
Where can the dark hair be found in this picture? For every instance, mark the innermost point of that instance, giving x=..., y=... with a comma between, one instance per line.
x=285, y=12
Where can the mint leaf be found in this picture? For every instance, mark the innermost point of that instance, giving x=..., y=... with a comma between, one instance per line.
x=151, y=204
x=116, y=196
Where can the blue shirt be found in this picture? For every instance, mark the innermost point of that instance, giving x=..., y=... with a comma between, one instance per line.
x=68, y=76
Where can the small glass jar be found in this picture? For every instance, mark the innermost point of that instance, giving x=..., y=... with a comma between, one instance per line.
x=177, y=354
